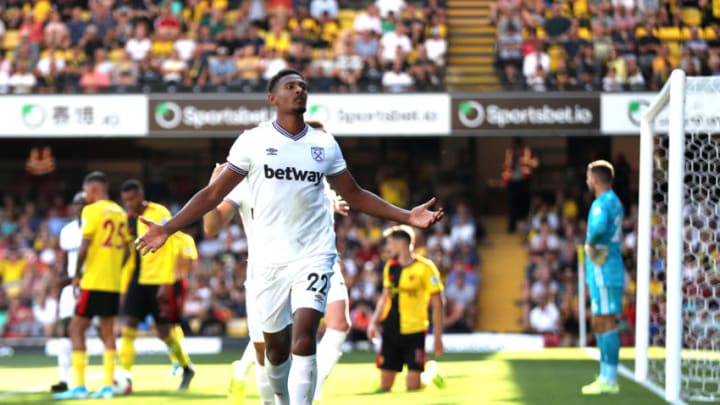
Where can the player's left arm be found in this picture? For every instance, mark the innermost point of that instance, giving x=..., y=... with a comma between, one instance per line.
x=369, y=203
x=374, y=329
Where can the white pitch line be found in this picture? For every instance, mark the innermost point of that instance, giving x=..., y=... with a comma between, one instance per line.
x=41, y=388
x=627, y=373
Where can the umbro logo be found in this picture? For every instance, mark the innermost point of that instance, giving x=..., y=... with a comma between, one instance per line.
x=271, y=151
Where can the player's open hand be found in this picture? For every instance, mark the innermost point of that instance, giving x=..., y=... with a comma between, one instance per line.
x=341, y=206
x=438, y=348
x=422, y=217
x=153, y=239
x=373, y=330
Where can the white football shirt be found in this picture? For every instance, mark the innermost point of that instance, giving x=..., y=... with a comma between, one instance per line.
x=287, y=201
x=70, y=240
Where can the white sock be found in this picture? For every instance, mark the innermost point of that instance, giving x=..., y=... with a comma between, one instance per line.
x=241, y=368
x=267, y=395
x=278, y=378
x=64, y=359
x=328, y=354
x=303, y=375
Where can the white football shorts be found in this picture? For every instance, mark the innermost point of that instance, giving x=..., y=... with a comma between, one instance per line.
x=66, y=306
x=281, y=289
x=338, y=289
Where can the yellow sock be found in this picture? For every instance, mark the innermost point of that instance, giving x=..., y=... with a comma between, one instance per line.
x=109, y=366
x=127, y=348
x=78, y=360
x=177, y=351
x=178, y=335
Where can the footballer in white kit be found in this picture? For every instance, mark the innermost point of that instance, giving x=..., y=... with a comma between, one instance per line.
x=294, y=240
x=69, y=241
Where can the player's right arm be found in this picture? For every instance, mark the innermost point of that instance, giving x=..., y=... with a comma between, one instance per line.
x=220, y=216
x=374, y=329
x=202, y=202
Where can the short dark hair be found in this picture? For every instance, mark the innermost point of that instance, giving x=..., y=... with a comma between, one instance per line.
x=279, y=75
x=403, y=232
x=131, y=185
x=602, y=170
x=79, y=198
x=96, y=177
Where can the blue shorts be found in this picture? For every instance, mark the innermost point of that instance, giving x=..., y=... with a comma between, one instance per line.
x=605, y=300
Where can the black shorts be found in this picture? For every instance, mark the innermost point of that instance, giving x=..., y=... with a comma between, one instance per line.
x=177, y=293
x=92, y=303
x=142, y=300
x=398, y=349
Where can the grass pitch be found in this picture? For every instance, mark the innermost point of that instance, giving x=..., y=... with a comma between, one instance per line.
x=551, y=376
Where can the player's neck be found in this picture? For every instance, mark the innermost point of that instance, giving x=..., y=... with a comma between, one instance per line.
x=291, y=122
x=600, y=190
x=406, y=259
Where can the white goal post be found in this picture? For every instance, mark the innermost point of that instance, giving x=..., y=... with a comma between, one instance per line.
x=677, y=338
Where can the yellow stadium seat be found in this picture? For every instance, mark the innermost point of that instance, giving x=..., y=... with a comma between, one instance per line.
x=669, y=34
x=230, y=17
x=10, y=56
x=115, y=54
x=585, y=33
x=555, y=52
x=237, y=327
x=640, y=32
x=685, y=33
x=691, y=16
x=708, y=34
x=346, y=18
x=580, y=8
x=540, y=32
x=716, y=8
x=674, y=50
x=10, y=39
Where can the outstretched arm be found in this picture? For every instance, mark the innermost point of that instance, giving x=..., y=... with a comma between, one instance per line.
x=202, y=202
x=220, y=216
x=369, y=203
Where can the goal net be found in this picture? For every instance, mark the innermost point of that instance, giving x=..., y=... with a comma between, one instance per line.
x=678, y=268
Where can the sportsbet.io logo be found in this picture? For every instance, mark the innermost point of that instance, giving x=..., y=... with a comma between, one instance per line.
x=168, y=115
x=318, y=112
x=32, y=115
x=635, y=110
x=471, y=113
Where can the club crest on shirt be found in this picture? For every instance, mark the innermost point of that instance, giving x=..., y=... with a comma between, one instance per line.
x=318, y=153
x=271, y=151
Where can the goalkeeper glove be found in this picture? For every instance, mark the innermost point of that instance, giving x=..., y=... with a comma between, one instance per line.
x=596, y=254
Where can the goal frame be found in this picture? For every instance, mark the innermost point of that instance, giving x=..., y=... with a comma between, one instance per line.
x=672, y=95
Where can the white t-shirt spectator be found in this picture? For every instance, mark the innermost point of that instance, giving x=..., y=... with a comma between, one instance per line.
x=462, y=233
x=531, y=62
x=4, y=82
x=173, y=69
x=464, y=294
x=397, y=82
x=44, y=64
x=138, y=48
x=366, y=22
x=545, y=320
x=444, y=241
x=185, y=48
x=390, y=42
x=22, y=83
x=45, y=314
x=436, y=49
x=386, y=6
x=542, y=242
x=317, y=7
x=273, y=66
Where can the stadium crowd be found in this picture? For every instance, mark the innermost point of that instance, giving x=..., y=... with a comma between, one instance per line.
x=220, y=45
x=30, y=260
x=603, y=45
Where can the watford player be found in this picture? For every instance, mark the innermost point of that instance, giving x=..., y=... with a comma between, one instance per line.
x=151, y=287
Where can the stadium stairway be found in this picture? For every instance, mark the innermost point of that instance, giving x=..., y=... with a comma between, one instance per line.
x=471, y=47
x=504, y=260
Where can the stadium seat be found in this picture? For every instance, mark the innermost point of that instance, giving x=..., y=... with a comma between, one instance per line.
x=580, y=8
x=555, y=52
x=237, y=327
x=691, y=16
x=666, y=34
x=10, y=39
x=708, y=34
x=584, y=33
x=346, y=18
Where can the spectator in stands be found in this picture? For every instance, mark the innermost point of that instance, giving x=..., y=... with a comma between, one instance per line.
x=44, y=311
x=562, y=79
x=534, y=59
x=462, y=228
x=372, y=76
x=55, y=30
x=387, y=6
x=395, y=46
x=349, y=66
x=538, y=80
x=323, y=74
x=139, y=45
x=545, y=317
x=461, y=303
x=545, y=239
x=125, y=71
x=76, y=25
x=318, y=7
x=509, y=47
x=557, y=25
x=249, y=67
x=173, y=69
x=397, y=80
x=49, y=69
x=22, y=81
x=512, y=79
x=436, y=47
x=369, y=20
x=366, y=45
x=272, y=63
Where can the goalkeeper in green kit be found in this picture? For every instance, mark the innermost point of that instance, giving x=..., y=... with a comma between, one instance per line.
x=605, y=273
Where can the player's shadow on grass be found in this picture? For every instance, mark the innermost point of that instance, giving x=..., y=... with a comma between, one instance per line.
x=173, y=395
